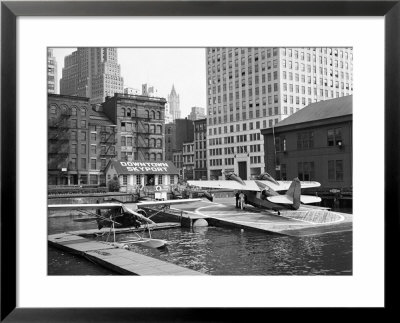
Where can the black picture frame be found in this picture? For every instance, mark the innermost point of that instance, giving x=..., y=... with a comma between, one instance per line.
x=11, y=10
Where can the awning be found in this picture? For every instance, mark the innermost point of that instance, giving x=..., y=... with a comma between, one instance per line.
x=137, y=168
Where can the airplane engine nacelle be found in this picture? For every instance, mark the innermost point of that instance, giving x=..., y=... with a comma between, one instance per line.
x=265, y=193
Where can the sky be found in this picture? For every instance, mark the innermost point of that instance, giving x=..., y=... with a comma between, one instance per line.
x=185, y=68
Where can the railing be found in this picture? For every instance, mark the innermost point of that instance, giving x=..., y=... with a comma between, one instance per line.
x=108, y=141
x=107, y=153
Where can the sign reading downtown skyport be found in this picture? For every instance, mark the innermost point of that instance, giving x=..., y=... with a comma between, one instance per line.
x=135, y=167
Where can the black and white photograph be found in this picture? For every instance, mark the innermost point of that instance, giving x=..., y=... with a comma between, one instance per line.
x=204, y=161
x=182, y=161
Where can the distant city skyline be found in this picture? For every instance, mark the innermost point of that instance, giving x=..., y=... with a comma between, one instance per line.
x=185, y=68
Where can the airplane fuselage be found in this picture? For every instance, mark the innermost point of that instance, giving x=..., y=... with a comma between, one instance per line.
x=121, y=219
x=258, y=199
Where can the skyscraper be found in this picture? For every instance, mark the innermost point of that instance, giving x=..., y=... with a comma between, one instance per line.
x=197, y=113
x=51, y=72
x=249, y=89
x=93, y=73
x=173, y=101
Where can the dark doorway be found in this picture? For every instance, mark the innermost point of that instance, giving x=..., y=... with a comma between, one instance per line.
x=150, y=180
x=242, y=170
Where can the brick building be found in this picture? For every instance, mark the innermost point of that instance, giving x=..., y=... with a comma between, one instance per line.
x=68, y=140
x=140, y=126
x=200, y=148
x=188, y=160
x=315, y=143
x=182, y=130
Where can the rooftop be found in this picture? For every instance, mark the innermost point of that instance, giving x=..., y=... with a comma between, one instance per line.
x=136, y=97
x=321, y=110
x=99, y=118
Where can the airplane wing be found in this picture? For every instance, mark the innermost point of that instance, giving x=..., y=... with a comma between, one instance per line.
x=280, y=199
x=285, y=199
x=284, y=185
x=98, y=206
x=227, y=184
x=168, y=202
x=307, y=199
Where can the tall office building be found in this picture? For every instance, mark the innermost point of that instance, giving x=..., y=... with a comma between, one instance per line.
x=196, y=113
x=249, y=89
x=149, y=90
x=168, y=115
x=51, y=72
x=173, y=102
x=93, y=73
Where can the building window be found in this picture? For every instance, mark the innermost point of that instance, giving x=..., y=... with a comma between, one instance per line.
x=334, y=137
x=83, y=149
x=84, y=179
x=93, y=164
x=160, y=180
x=305, y=140
x=280, y=143
x=73, y=149
x=103, y=163
x=171, y=179
x=93, y=179
x=305, y=171
x=72, y=165
x=124, y=179
x=93, y=149
x=83, y=163
x=335, y=170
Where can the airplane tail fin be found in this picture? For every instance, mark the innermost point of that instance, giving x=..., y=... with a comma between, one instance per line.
x=294, y=192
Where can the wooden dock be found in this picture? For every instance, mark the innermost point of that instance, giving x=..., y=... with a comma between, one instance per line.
x=222, y=212
x=119, y=260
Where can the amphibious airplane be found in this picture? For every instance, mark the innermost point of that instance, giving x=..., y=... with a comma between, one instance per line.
x=263, y=192
x=118, y=215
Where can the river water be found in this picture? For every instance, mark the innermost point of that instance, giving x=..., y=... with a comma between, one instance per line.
x=223, y=251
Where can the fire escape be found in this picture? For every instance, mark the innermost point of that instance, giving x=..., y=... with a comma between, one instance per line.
x=142, y=136
x=59, y=141
x=107, y=141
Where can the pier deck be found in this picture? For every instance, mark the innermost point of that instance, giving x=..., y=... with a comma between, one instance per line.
x=119, y=260
x=303, y=222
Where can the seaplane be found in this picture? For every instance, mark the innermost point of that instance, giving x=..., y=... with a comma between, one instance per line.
x=263, y=192
x=117, y=215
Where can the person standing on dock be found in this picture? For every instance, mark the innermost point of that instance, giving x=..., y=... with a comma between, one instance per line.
x=241, y=197
x=237, y=199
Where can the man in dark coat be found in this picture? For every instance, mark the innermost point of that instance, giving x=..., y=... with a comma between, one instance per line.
x=237, y=199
